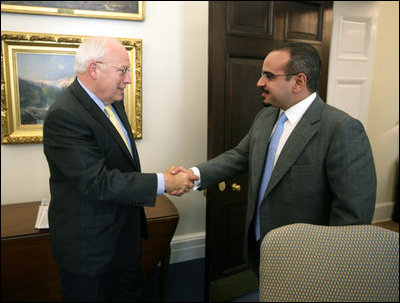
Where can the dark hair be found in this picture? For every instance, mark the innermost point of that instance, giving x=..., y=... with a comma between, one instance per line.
x=305, y=59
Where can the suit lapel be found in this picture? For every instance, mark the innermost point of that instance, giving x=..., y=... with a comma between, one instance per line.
x=99, y=116
x=297, y=141
x=120, y=109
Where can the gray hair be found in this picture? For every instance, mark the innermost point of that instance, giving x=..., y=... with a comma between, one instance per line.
x=94, y=48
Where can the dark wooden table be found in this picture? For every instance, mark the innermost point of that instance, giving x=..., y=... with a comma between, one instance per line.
x=28, y=270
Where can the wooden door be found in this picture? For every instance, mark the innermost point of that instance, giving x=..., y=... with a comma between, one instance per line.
x=241, y=33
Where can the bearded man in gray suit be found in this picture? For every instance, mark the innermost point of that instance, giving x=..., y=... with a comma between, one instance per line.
x=323, y=171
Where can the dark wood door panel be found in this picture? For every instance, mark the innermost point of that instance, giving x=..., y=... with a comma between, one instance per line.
x=243, y=99
x=234, y=219
x=249, y=19
x=303, y=21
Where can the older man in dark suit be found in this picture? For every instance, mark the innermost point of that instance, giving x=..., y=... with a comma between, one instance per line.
x=96, y=214
x=321, y=170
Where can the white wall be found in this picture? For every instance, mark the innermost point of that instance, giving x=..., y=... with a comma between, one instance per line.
x=383, y=118
x=175, y=46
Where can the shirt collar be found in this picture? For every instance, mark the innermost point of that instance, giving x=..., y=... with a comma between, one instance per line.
x=93, y=96
x=297, y=111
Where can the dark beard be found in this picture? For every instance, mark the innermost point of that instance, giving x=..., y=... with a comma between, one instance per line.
x=263, y=103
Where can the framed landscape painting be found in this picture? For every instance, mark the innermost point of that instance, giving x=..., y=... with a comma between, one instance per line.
x=125, y=10
x=37, y=68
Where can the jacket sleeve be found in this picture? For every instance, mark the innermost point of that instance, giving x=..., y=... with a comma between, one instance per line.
x=226, y=165
x=351, y=174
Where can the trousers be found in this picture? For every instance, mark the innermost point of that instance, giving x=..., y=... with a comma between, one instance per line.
x=120, y=286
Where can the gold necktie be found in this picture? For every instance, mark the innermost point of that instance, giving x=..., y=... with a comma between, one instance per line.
x=114, y=121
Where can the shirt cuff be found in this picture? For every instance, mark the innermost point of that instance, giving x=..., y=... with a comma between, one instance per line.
x=196, y=171
x=160, y=184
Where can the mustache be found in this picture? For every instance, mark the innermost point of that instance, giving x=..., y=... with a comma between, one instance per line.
x=263, y=103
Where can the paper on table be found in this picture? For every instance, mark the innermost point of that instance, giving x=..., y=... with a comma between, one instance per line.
x=42, y=221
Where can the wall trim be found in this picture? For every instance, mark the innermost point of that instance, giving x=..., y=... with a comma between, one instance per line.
x=383, y=212
x=188, y=247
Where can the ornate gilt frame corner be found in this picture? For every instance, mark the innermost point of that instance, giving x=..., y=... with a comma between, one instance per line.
x=134, y=109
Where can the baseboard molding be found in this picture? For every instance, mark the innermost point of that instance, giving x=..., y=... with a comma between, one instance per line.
x=192, y=246
x=188, y=247
x=383, y=212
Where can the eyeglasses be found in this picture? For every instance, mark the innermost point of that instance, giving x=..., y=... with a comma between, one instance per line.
x=122, y=71
x=270, y=76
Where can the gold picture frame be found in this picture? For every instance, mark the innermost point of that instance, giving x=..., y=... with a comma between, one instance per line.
x=26, y=93
x=125, y=10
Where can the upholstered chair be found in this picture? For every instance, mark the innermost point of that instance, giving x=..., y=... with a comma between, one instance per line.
x=304, y=262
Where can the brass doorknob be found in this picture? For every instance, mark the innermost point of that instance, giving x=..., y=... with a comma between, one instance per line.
x=235, y=187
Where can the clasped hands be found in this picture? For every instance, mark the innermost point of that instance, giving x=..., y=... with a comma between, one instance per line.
x=179, y=180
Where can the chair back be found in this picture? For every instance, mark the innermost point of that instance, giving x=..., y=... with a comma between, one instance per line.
x=305, y=262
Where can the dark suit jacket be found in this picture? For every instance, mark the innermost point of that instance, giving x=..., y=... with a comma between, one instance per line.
x=96, y=214
x=325, y=173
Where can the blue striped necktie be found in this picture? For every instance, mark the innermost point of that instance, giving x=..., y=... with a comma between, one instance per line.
x=268, y=168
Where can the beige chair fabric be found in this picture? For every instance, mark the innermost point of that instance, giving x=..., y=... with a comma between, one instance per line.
x=304, y=262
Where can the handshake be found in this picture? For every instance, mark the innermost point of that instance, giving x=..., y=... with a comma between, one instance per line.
x=179, y=180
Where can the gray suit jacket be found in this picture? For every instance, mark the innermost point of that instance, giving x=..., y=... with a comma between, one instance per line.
x=325, y=173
